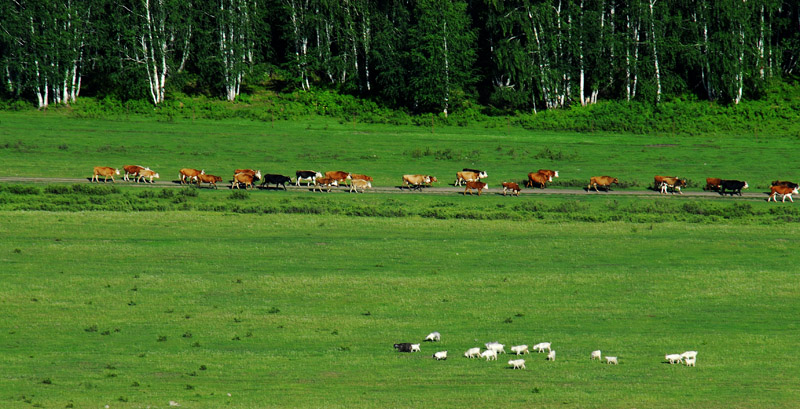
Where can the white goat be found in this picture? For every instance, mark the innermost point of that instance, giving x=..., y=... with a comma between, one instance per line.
x=540, y=347
x=496, y=346
x=611, y=360
x=415, y=348
x=596, y=355
x=517, y=363
x=489, y=354
x=689, y=354
x=440, y=355
x=473, y=352
x=433, y=337
x=551, y=356
x=673, y=358
x=690, y=361
x=520, y=349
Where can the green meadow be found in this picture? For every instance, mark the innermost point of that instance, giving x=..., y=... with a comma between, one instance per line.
x=135, y=296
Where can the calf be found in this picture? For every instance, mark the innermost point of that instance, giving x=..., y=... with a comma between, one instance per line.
x=513, y=187
x=307, y=175
x=245, y=178
x=188, y=175
x=539, y=179
x=132, y=170
x=147, y=173
x=479, y=186
x=784, y=191
x=210, y=179
x=277, y=180
x=734, y=186
x=106, y=172
x=324, y=182
x=360, y=183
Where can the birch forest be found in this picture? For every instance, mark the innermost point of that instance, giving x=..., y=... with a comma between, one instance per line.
x=418, y=55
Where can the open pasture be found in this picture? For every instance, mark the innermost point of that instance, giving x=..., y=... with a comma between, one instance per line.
x=55, y=145
x=133, y=310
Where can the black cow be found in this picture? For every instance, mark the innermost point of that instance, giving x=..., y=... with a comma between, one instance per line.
x=276, y=179
x=307, y=175
x=734, y=186
x=785, y=183
x=403, y=347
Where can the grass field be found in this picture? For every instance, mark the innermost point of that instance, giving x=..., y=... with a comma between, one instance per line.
x=137, y=309
x=132, y=296
x=37, y=144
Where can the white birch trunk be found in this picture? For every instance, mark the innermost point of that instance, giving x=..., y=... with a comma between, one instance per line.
x=580, y=56
x=760, y=63
x=740, y=74
x=655, y=51
x=446, y=73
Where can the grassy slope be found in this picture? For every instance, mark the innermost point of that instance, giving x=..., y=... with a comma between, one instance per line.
x=347, y=288
x=37, y=144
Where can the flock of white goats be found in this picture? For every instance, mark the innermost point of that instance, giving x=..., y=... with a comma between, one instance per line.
x=493, y=348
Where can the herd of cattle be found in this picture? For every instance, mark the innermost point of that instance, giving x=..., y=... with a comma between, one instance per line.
x=470, y=178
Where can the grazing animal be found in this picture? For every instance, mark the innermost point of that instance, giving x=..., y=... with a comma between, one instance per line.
x=473, y=352
x=539, y=179
x=432, y=181
x=415, y=348
x=520, y=349
x=496, y=346
x=415, y=181
x=673, y=183
x=307, y=175
x=434, y=337
x=540, y=347
x=690, y=361
x=673, y=358
x=784, y=191
x=612, y=360
x=210, y=179
x=147, y=173
x=489, y=354
x=360, y=183
x=187, y=175
x=713, y=184
x=551, y=356
x=785, y=183
x=255, y=173
x=689, y=354
x=734, y=186
x=276, y=179
x=513, y=187
x=403, y=347
x=517, y=363
x=604, y=181
x=106, y=172
x=339, y=176
x=361, y=177
x=324, y=182
x=469, y=175
x=245, y=178
x=132, y=170
x=548, y=172
x=596, y=355
x=441, y=355
x=479, y=186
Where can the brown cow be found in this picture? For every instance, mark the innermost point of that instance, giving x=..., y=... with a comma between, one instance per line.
x=190, y=174
x=361, y=177
x=339, y=176
x=145, y=173
x=548, y=172
x=604, y=181
x=671, y=182
x=324, y=182
x=479, y=186
x=468, y=176
x=245, y=178
x=433, y=179
x=713, y=184
x=513, y=187
x=256, y=174
x=132, y=170
x=415, y=181
x=360, y=183
x=106, y=172
x=210, y=179
x=785, y=183
x=783, y=191
x=539, y=178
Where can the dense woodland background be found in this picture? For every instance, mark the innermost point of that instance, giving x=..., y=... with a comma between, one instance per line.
x=419, y=56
